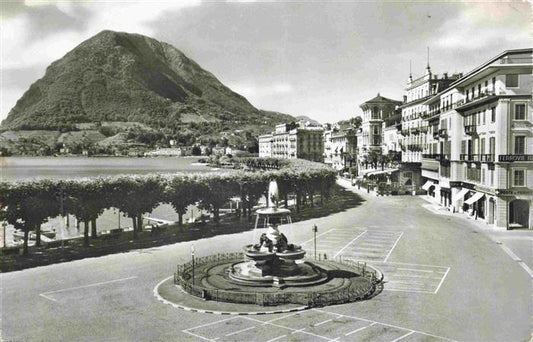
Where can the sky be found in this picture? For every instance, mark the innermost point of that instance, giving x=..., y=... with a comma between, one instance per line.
x=321, y=59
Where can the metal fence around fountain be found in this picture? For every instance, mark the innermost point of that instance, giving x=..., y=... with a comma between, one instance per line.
x=183, y=278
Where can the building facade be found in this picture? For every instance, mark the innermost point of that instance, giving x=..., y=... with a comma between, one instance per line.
x=415, y=129
x=293, y=141
x=370, y=137
x=340, y=148
x=479, y=158
x=265, y=145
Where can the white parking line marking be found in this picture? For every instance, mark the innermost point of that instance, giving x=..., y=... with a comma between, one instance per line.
x=385, y=324
x=404, y=336
x=49, y=298
x=199, y=336
x=293, y=331
x=393, y=246
x=326, y=321
x=349, y=243
x=240, y=331
x=276, y=338
x=357, y=330
x=45, y=294
x=412, y=269
x=212, y=323
x=525, y=267
x=442, y=280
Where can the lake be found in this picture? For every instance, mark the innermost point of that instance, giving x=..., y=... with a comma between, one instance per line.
x=26, y=168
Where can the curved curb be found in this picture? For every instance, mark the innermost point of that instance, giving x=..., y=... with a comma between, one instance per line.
x=232, y=313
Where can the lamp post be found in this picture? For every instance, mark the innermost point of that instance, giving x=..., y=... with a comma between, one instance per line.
x=4, y=225
x=315, y=229
x=192, y=257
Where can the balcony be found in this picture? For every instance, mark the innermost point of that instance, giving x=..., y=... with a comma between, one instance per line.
x=415, y=131
x=435, y=135
x=473, y=101
x=430, y=155
x=405, y=132
x=443, y=133
x=470, y=129
x=485, y=158
x=515, y=157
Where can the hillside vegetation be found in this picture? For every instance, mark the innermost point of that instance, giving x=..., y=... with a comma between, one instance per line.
x=122, y=77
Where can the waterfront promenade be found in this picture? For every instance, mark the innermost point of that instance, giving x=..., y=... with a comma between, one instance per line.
x=446, y=279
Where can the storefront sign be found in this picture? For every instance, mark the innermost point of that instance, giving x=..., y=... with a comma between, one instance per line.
x=513, y=192
x=455, y=184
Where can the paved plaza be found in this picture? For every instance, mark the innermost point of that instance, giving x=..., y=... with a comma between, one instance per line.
x=446, y=279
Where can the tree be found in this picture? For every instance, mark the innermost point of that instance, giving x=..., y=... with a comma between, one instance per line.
x=181, y=192
x=216, y=191
x=28, y=205
x=135, y=196
x=86, y=200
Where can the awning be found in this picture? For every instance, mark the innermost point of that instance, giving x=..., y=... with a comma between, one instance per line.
x=373, y=173
x=427, y=185
x=461, y=194
x=477, y=196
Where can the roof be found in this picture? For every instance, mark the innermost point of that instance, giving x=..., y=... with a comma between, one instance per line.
x=380, y=99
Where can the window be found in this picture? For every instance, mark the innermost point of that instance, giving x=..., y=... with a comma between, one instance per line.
x=493, y=114
x=494, y=84
x=511, y=81
x=492, y=145
x=519, y=145
x=519, y=177
x=491, y=173
x=520, y=111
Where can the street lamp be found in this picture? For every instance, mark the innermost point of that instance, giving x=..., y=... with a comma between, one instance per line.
x=315, y=229
x=4, y=225
x=192, y=257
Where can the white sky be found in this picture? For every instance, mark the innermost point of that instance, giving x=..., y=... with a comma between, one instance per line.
x=321, y=58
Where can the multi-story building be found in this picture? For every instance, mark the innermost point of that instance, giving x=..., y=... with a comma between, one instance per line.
x=293, y=141
x=340, y=146
x=480, y=156
x=265, y=145
x=414, y=127
x=370, y=136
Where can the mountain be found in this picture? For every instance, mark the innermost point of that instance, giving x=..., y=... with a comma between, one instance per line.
x=123, y=77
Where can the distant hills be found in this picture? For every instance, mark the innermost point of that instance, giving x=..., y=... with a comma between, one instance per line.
x=117, y=77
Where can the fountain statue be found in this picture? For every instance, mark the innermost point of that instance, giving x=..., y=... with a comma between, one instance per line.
x=273, y=260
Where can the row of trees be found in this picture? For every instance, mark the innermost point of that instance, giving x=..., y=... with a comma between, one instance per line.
x=27, y=205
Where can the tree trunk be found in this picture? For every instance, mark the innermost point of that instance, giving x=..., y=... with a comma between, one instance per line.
x=134, y=221
x=180, y=219
x=86, y=233
x=286, y=199
x=312, y=197
x=38, y=235
x=140, y=223
x=216, y=213
x=26, y=236
x=94, y=233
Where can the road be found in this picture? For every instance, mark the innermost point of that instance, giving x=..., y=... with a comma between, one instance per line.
x=446, y=280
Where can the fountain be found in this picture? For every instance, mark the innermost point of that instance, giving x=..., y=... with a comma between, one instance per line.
x=271, y=271
x=273, y=261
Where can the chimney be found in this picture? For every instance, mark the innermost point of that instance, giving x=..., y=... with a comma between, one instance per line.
x=445, y=75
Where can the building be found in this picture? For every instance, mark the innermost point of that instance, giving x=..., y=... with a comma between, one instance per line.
x=265, y=145
x=370, y=137
x=340, y=148
x=414, y=128
x=290, y=141
x=479, y=158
